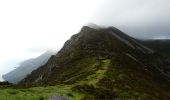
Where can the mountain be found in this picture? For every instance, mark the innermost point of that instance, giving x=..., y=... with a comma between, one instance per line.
x=106, y=64
x=161, y=45
x=26, y=67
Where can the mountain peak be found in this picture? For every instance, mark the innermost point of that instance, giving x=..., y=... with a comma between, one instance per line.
x=105, y=58
x=118, y=35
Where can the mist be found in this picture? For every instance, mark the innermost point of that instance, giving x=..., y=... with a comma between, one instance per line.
x=146, y=19
x=29, y=28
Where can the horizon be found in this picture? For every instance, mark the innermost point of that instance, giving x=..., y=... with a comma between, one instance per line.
x=29, y=28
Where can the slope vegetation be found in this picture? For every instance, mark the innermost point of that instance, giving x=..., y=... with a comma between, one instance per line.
x=105, y=64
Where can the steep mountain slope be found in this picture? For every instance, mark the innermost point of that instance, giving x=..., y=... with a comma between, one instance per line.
x=105, y=64
x=161, y=45
x=163, y=48
x=26, y=67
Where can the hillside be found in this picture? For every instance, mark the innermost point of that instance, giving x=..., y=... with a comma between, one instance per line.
x=26, y=67
x=106, y=64
x=163, y=48
x=162, y=45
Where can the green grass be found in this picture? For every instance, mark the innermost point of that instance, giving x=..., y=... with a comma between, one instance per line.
x=94, y=79
x=39, y=93
x=98, y=75
x=131, y=83
x=42, y=93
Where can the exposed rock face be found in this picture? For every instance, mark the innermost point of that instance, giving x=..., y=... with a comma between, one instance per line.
x=124, y=61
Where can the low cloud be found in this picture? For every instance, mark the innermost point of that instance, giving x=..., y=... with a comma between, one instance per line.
x=138, y=18
x=39, y=49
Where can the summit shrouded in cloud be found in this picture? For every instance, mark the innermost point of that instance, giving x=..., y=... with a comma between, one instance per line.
x=107, y=64
x=85, y=50
x=139, y=18
x=29, y=28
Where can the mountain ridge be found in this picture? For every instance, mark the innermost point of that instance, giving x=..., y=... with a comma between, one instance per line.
x=27, y=66
x=105, y=60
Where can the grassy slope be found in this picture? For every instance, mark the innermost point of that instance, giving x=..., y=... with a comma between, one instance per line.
x=123, y=79
x=39, y=93
x=96, y=78
x=131, y=83
x=95, y=69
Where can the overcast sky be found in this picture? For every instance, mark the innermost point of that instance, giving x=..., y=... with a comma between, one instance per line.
x=30, y=27
x=139, y=18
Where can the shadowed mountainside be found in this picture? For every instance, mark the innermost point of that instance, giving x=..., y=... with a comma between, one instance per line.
x=104, y=64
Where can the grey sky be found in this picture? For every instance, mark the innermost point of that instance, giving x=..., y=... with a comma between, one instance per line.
x=30, y=27
x=139, y=18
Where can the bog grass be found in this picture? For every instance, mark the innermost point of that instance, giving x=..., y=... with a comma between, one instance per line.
x=39, y=93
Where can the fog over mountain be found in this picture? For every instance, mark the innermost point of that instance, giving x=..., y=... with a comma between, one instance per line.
x=26, y=67
x=29, y=28
x=107, y=64
x=139, y=18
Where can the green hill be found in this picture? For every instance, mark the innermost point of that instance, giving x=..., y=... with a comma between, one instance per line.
x=101, y=64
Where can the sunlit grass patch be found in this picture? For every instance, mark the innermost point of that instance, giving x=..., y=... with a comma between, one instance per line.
x=39, y=93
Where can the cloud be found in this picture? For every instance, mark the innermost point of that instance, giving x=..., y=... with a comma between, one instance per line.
x=139, y=18
x=39, y=49
x=28, y=27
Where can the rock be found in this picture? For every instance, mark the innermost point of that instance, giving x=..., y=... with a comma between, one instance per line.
x=58, y=98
